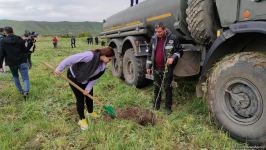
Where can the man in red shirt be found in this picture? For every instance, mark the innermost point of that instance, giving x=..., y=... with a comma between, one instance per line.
x=162, y=57
x=55, y=41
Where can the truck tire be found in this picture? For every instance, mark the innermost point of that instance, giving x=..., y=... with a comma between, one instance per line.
x=202, y=20
x=117, y=68
x=134, y=69
x=237, y=96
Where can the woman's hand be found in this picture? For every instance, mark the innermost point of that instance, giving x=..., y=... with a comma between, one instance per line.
x=57, y=73
x=86, y=92
x=170, y=61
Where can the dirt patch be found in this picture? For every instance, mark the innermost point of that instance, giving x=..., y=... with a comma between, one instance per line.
x=143, y=117
x=71, y=112
x=109, y=87
x=36, y=142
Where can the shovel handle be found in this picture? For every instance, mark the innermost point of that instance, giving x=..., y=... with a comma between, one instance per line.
x=74, y=84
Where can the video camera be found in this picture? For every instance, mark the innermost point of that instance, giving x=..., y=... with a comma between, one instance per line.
x=31, y=35
x=30, y=39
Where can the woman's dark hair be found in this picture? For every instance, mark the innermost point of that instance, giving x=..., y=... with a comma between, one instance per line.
x=107, y=51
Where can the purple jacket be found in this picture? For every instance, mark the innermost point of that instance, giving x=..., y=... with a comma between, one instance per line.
x=80, y=57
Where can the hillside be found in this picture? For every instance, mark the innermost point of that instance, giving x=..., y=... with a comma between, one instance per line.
x=51, y=28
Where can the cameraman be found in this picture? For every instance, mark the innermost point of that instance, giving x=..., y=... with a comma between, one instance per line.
x=14, y=52
x=30, y=41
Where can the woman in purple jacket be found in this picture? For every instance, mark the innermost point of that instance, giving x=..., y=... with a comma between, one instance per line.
x=84, y=69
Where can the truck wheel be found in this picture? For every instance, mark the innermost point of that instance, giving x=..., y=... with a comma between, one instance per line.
x=134, y=69
x=202, y=20
x=117, y=65
x=237, y=96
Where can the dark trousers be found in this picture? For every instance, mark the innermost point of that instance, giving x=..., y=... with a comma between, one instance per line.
x=73, y=45
x=55, y=45
x=165, y=85
x=81, y=99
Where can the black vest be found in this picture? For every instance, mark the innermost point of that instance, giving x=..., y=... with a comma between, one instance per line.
x=83, y=71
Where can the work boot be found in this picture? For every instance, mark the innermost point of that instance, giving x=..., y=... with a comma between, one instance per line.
x=83, y=124
x=168, y=111
x=94, y=115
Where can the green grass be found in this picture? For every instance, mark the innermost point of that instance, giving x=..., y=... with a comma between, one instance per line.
x=48, y=120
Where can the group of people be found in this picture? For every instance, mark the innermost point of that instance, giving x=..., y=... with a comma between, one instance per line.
x=90, y=40
x=55, y=41
x=163, y=55
x=73, y=41
x=16, y=51
x=97, y=41
x=86, y=67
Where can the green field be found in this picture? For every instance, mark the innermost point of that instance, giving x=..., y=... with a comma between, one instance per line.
x=48, y=120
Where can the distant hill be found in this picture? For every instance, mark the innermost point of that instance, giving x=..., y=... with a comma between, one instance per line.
x=53, y=28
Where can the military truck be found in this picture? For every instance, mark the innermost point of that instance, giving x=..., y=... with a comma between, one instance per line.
x=223, y=43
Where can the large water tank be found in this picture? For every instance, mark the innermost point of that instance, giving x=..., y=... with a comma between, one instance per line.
x=170, y=12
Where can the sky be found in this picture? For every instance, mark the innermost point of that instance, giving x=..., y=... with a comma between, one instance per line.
x=61, y=10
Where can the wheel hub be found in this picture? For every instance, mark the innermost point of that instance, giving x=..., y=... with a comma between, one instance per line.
x=239, y=100
x=243, y=101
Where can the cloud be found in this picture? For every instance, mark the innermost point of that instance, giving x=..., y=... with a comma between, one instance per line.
x=60, y=10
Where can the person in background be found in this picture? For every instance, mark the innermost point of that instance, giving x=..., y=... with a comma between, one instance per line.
x=91, y=40
x=88, y=40
x=73, y=41
x=55, y=41
x=30, y=44
x=163, y=55
x=85, y=68
x=96, y=40
x=132, y=2
x=14, y=51
x=103, y=43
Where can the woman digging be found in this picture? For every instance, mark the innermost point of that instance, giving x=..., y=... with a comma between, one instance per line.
x=84, y=69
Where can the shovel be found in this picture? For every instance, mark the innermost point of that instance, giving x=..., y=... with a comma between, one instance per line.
x=109, y=110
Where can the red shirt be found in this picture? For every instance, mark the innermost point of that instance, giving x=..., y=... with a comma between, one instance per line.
x=55, y=40
x=159, y=53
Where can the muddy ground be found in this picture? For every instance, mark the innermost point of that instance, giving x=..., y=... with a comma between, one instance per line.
x=143, y=117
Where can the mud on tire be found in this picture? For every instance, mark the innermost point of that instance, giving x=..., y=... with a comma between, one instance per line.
x=117, y=65
x=237, y=96
x=202, y=20
x=134, y=69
